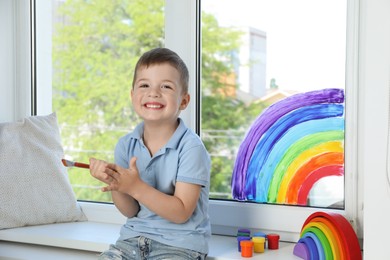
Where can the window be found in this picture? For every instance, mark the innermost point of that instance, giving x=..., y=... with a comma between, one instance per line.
x=90, y=65
x=284, y=60
x=95, y=47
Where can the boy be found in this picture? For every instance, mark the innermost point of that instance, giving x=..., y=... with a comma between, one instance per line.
x=160, y=179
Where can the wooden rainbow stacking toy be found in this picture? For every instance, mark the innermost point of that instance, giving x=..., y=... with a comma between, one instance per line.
x=327, y=236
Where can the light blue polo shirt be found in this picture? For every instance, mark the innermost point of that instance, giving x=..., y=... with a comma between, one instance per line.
x=183, y=159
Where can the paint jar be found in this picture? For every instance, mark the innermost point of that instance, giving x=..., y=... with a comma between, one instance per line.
x=241, y=238
x=258, y=244
x=273, y=241
x=243, y=232
x=261, y=234
x=246, y=248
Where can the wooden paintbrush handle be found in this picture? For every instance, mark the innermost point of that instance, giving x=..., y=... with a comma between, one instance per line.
x=81, y=165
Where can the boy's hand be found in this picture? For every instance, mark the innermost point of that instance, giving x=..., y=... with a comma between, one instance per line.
x=97, y=168
x=122, y=180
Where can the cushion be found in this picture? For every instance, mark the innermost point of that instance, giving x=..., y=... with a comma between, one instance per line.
x=35, y=188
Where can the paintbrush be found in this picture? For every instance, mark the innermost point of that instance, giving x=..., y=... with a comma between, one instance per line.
x=68, y=163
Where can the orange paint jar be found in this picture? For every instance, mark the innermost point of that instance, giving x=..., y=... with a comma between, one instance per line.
x=246, y=248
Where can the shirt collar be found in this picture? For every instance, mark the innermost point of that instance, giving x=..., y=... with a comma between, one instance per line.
x=173, y=141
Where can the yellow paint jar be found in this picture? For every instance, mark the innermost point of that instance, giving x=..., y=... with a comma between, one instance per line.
x=258, y=244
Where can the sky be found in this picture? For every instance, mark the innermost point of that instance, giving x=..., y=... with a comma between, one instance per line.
x=305, y=38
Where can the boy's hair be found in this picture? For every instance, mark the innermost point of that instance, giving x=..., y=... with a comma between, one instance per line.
x=164, y=55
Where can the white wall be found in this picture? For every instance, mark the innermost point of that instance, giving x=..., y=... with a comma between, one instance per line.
x=373, y=126
x=373, y=112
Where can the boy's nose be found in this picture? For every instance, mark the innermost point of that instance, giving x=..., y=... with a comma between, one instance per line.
x=154, y=92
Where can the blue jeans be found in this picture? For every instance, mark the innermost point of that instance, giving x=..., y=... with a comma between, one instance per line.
x=142, y=248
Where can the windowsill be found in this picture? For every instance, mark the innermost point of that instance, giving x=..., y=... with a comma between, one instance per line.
x=87, y=239
x=88, y=236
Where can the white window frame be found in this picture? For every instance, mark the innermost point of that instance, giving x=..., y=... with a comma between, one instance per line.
x=15, y=58
x=226, y=216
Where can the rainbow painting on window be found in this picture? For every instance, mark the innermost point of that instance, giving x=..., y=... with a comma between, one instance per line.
x=289, y=147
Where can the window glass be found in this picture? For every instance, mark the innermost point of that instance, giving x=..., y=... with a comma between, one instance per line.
x=273, y=92
x=95, y=45
x=259, y=58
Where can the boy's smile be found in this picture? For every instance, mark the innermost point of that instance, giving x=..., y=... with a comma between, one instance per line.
x=154, y=105
x=157, y=95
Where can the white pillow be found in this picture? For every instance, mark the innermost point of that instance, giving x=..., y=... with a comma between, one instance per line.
x=35, y=188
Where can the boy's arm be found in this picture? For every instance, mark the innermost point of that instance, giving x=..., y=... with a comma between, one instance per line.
x=127, y=205
x=176, y=208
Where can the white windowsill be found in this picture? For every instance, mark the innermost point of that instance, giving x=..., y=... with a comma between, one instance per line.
x=88, y=236
x=84, y=240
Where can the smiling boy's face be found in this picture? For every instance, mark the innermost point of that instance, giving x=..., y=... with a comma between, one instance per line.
x=157, y=94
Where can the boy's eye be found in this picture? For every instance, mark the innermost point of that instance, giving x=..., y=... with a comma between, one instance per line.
x=166, y=86
x=143, y=85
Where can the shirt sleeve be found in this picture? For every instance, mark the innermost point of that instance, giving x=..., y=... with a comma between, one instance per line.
x=194, y=165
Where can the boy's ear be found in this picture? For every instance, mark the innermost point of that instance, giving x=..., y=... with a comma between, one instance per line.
x=185, y=101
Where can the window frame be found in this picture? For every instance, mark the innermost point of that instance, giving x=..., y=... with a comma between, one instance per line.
x=226, y=216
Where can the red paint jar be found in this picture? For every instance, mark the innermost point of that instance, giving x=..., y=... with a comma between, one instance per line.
x=273, y=241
